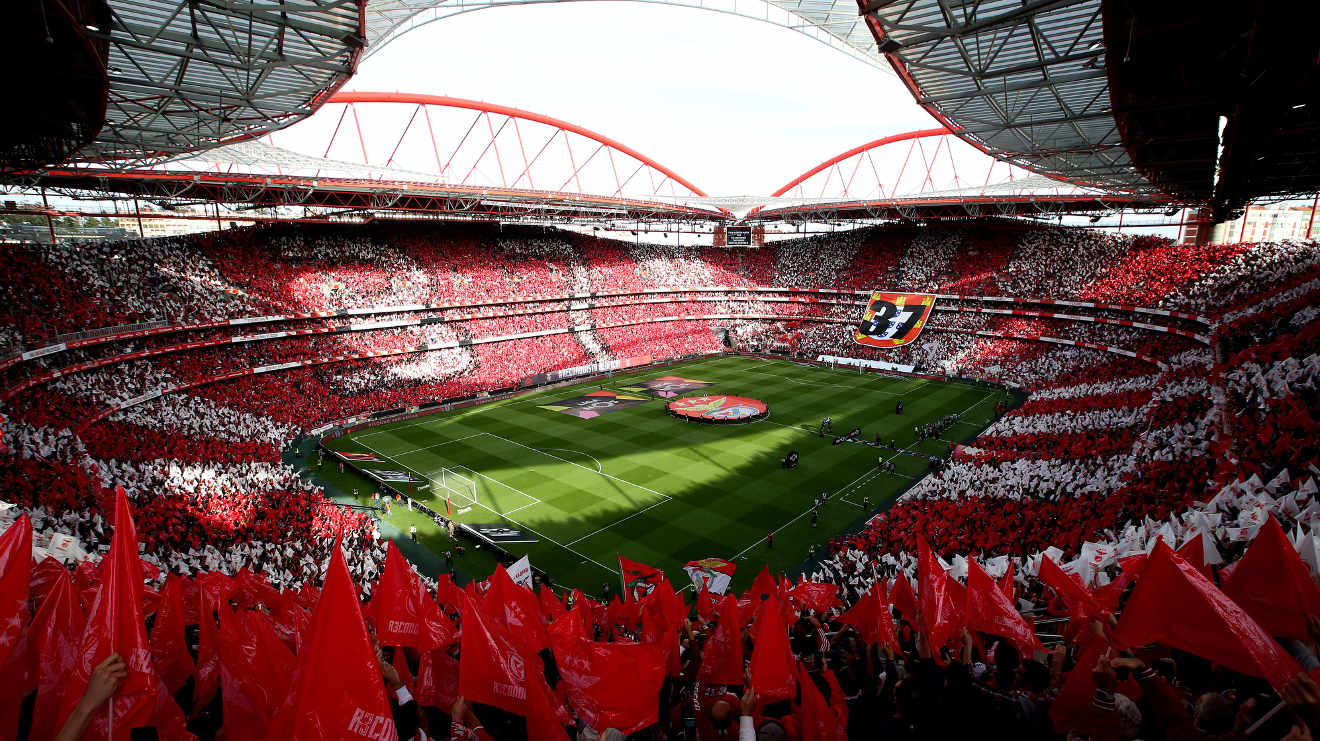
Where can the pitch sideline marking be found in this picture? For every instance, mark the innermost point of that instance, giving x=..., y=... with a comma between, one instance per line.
x=437, y=445
x=847, y=487
x=519, y=524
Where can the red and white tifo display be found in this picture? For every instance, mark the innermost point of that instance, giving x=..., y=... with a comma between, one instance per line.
x=719, y=408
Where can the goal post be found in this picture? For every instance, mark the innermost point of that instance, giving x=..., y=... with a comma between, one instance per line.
x=461, y=489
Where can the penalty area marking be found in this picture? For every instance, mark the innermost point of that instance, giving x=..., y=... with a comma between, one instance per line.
x=515, y=522
x=599, y=469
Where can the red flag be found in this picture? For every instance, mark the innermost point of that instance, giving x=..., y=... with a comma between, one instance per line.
x=937, y=607
x=815, y=596
x=18, y=670
x=115, y=625
x=1174, y=604
x=635, y=575
x=169, y=652
x=1072, y=707
x=722, y=662
x=246, y=710
x=872, y=619
x=1006, y=583
x=44, y=575
x=819, y=721
x=1193, y=552
x=903, y=598
x=707, y=601
x=337, y=689
x=1273, y=585
x=57, y=630
x=493, y=670
x=1081, y=603
x=403, y=613
x=989, y=611
x=517, y=610
x=772, y=666
x=659, y=631
x=551, y=606
x=762, y=587
x=609, y=685
x=15, y=576
x=208, y=656
x=437, y=680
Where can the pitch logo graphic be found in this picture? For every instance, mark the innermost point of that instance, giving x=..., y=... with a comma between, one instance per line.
x=893, y=319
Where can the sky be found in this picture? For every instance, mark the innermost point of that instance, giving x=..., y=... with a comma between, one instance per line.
x=736, y=106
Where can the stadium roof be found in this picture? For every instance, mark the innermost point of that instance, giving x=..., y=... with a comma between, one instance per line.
x=187, y=75
x=1022, y=79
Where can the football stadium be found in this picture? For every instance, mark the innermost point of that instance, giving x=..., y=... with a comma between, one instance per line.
x=379, y=369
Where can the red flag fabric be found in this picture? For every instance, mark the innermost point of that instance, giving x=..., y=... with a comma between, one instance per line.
x=437, y=679
x=517, y=610
x=772, y=666
x=635, y=575
x=18, y=671
x=609, y=685
x=246, y=712
x=115, y=625
x=551, y=606
x=44, y=575
x=1176, y=605
x=707, y=601
x=493, y=670
x=1069, y=587
x=208, y=655
x=1193, y=552
x=57, y=629
x=815, y=596
x=989, y=611
x=15, y=576
x=937, y=607
x=1273, y=584
x=762, y=587
x=337, y=689
x=903, y=598
x=1072, y=707
x=404, y=614
x=819, y=721
x=872, y=619
x=169, y=652
x=1006, y=583
x=722, y=662
x=659, y=631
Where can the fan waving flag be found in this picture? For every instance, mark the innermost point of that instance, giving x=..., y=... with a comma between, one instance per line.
x=1273, y=585
x=336, y=690
x=1176, y=605
x=712, y=574
x=638, y=578
x=893, y=319
x=115, y=625
x=990, y=611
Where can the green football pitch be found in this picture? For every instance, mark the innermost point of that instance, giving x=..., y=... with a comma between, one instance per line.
x=640, y=483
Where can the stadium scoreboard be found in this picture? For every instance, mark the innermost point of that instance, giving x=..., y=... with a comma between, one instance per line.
x=738, y=236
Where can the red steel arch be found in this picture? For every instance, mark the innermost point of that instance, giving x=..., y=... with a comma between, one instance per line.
x=355, y=97
x=831, y=162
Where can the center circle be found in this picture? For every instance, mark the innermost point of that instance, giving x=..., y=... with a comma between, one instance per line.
x=718, y=408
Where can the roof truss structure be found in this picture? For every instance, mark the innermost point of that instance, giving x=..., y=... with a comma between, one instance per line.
x=1024, y=80
x=187, y=75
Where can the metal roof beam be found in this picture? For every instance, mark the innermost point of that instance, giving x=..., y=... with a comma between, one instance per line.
x=1011, y=17
x=1015, y=87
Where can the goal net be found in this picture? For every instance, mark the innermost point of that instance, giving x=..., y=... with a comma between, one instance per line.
x=460, y=489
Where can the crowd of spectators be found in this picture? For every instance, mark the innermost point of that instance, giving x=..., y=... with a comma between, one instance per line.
x=1109, y=455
